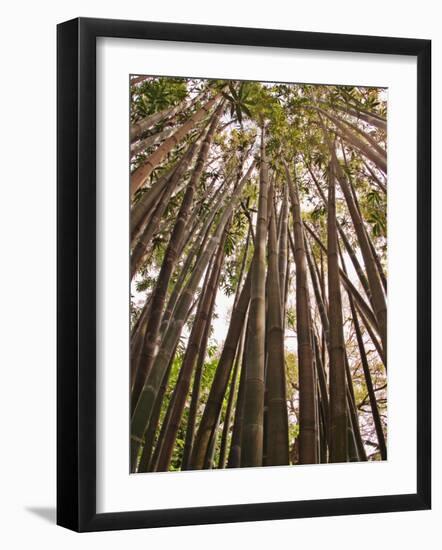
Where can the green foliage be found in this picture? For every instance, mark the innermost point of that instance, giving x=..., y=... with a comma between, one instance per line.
x=291, y=363
x=156, y=94
x=375, y=212
x=240, y=98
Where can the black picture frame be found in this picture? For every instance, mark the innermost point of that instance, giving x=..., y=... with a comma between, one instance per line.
x=76, y=274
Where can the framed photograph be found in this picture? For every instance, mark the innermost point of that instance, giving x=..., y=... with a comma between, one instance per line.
x=243, y=223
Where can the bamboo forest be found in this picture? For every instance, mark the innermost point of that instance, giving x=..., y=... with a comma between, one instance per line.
x=258, y=265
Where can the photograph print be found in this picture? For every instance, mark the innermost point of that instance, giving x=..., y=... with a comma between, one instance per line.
x=258, y=274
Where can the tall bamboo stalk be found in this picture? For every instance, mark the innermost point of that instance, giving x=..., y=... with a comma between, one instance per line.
x=361, y=304
x=191, y=421
x=149, y=440
x=143, y=240
x=144, y=144
x=218, y=388
x=283, y=242
x=229, y=408
x=234, y=460
x=338, y=403
x=308, y=428
x=277, y=448
x=185, y=376
x=197, y=248
x=367, y=377
x=377, y=291
x=143, y=410
x=142, y=126
x=356, y=142
x=252, y=433
x=142, y=173
x=168, y=184
x=170, y=258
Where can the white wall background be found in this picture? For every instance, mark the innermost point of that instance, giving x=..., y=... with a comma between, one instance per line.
x=27, y=274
